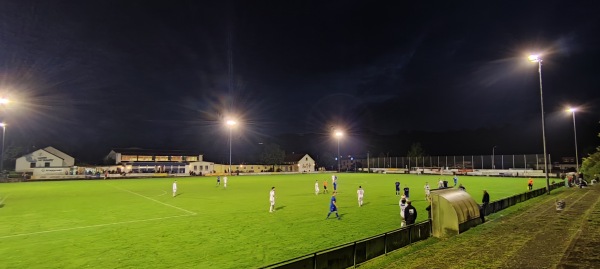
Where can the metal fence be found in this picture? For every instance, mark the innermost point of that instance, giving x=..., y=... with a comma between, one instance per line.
x=357, y=252
x=525, y=161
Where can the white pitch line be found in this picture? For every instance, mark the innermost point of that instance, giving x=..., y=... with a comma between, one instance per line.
x=91, y=226
x=184, y=210
x=3, y=199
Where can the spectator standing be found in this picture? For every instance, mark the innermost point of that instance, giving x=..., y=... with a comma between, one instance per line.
x=410, y=213
x=530, y=184
x=485, y=201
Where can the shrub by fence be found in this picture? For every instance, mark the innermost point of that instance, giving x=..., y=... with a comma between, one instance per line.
x=360, y=251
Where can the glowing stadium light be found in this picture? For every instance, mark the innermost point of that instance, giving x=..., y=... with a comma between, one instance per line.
x=535, y=58
x=4, y=101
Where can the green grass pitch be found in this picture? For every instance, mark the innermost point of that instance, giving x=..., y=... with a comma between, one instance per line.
x=136, y=223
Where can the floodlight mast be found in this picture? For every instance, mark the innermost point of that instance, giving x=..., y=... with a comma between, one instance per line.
x=573, y=110
x=338, y=134
x=537, y=59
x=3, y=125
x=230, y=123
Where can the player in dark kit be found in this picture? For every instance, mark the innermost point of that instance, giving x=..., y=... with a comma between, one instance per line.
x=397, y=188
x=333, y=206
x=406, y=190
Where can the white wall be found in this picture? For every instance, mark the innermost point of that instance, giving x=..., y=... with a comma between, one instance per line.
x=40, y=157
x=306, y=164
x=67, y=160
x=201, y=167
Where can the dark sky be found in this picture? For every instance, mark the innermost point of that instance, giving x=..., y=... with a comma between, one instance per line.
x=86, y=76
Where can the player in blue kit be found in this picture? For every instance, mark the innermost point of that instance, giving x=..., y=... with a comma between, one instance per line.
x=333, y=206
x=397, y=188
x=406, y=190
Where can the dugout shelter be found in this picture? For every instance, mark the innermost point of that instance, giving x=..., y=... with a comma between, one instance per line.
x=453, y=211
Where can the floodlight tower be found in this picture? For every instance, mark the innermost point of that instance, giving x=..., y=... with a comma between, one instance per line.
x=493, y=157
x=537, y=59
x=3, y=102
x=573, y=110
x=338, y=135
x=3, y=125
x=230, y=123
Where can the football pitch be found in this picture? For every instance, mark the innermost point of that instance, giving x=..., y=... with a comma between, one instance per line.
x=136, y=223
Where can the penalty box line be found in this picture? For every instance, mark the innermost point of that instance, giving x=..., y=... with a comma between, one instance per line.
x=156, y=201
x=91, y=226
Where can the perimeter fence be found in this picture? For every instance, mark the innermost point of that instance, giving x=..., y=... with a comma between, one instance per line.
x=522, y=161
x=357, y=252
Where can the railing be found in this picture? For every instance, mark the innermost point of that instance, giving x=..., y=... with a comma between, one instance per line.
x=352, y=254
x=357, y=252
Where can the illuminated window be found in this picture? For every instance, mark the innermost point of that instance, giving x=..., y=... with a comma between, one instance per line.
x=128, y=158
x=176, y=158
x=191, y=158
x=161, y=158
x=143, y=158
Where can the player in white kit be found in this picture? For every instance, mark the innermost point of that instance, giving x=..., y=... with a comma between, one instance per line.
x=361, y=193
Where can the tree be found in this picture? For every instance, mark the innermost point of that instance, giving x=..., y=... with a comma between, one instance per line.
x=272, y=154
x=591, y=164
x=415, y=150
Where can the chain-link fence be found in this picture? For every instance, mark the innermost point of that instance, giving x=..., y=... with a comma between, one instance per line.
x=524, y=161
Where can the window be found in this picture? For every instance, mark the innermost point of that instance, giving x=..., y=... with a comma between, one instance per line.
x=46, y=164
x=161, y=158
x=128, y=158
x=142, y=158
x=31, y=165
x=176, y=158
x=191, y=158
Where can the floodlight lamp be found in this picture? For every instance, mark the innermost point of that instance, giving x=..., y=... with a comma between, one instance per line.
x=338, y=134
x=535, y=58
x=4, y=101
x=2, y=124
x=231, y=122
x=572, y=109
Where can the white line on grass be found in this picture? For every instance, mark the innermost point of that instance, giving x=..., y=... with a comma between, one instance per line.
x=184, y=210
x=3, y=199
x=92, y=226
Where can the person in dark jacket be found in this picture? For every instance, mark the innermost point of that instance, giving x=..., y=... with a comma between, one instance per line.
x=410, y=214
x=484, y=204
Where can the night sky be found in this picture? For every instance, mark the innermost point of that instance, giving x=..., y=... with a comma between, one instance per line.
x=87, y=76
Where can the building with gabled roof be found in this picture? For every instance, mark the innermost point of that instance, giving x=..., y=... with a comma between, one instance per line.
x=47, y=157
x=300, y=162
